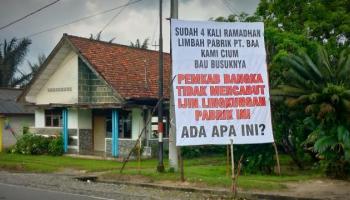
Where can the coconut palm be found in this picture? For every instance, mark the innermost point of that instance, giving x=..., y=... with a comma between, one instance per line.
x=12, y=54
x=24, y=79
x=322, y=87
x=138, y=44
x=98, y=37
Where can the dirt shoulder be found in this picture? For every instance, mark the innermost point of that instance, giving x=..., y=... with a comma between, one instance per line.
x=310, y=189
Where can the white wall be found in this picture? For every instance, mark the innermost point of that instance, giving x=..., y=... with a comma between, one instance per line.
x=66, y=76
x=17, y=122
x=137, y=123
x=72, y=118
x=85, y=119
x=39, y=118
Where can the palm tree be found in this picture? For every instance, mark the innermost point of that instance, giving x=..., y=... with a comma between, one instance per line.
x=24, y=79
x=12, y=54
x=138, y=44
x=98, y=37
x=322, y=87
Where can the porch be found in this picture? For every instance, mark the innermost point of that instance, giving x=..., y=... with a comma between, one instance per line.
x=104, y=132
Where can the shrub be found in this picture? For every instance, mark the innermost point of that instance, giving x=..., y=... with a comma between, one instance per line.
x=135, y=151
x=195, y=151
x=55, y=147
x=30, y=144
x=256, y=158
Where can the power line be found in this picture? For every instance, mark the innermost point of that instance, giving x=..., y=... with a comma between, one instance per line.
x=115, y=16
x=232, y=6
x=229, y=6
x=156, y=26
x=32, y=13
x=81, y=19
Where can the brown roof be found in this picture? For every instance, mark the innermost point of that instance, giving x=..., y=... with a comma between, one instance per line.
x=124, y=67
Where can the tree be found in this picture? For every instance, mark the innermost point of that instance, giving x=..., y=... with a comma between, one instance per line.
x=327, y=22
x=98, y=37
x=12, y=54
x=321, y=86
x=138, y=44
x=292, y=27
x=24, y=79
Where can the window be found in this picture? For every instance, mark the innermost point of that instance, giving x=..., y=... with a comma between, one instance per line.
x=108, y=127
x=53, y=118
x=125, y=124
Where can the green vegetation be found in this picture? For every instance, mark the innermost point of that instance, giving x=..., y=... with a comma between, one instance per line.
x=310, y=86
x=322, y=89
x=12, y=54
x=208, y=171
x=30, y=144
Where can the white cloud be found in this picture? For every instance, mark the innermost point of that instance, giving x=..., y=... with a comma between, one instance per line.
x=139, y=20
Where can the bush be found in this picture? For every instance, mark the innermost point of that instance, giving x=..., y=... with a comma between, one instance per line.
x=55, y=147
x=256, y=158
x=30, y=144
x=336, y=169
x=195, y=151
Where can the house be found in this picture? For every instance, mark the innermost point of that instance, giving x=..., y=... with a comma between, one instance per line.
x=15, y=118
x=99, y=95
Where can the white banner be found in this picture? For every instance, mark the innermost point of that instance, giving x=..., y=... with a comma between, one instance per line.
x=221, y=86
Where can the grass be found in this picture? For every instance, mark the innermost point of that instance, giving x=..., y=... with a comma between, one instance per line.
x=208, y=171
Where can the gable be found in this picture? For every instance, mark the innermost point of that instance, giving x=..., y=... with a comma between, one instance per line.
x=112, y=74
x=132, y=72
x=91, y=89
x=62, y=85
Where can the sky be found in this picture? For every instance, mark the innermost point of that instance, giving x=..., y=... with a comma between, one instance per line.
x=136, y=21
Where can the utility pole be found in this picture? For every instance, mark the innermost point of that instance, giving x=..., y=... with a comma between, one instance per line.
x=173, y=153
x=160, y=167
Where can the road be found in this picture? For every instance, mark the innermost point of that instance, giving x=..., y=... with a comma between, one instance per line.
x=16, y=192
x=30, y=186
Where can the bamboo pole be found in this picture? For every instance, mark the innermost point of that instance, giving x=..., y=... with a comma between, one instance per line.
x=1, y=129
x=139, y=156
x=233, y=188
x=239, y=166
x=143, y=130
x=227, y=160
x=181, y=163
x=277, y=159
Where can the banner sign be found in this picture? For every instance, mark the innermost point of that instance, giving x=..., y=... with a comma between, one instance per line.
x=221, y=85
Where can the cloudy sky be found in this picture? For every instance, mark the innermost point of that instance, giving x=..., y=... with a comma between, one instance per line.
x=139, y=20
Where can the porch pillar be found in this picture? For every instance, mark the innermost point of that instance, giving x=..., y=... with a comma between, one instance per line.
x=115, y=133
x=65, y=129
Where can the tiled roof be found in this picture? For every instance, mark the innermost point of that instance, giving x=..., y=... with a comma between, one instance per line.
x=8, y=104
x=132, y=72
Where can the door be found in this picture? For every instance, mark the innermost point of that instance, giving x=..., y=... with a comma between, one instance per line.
x=99, y=133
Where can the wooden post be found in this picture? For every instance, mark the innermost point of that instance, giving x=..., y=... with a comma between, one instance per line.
x=239, y=166
x=277, y=159
x=181, y=163
x=139, y=156
x=233, y=188
x=2, y=121
x=227, y=160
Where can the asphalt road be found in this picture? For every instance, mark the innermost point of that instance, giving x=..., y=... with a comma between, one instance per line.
x=30, y=186
x=16, y=192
